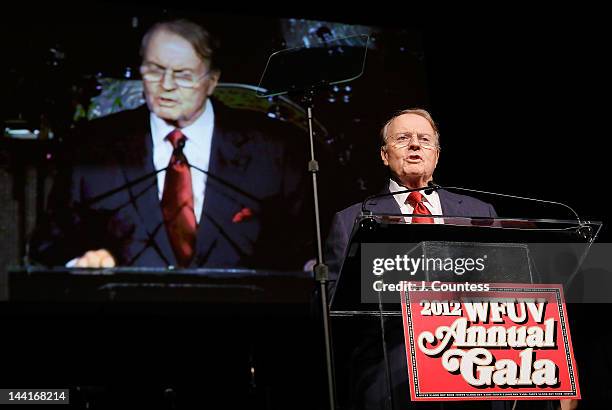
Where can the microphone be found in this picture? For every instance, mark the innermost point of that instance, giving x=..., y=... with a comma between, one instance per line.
x=584, y=230
x=436, y=187
x=427, y=189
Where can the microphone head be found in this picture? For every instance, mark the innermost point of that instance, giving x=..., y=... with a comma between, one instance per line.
x=585, y=232
x=432, y=187
x=368, y=224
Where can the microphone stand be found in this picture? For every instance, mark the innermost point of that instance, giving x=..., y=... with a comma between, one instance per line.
x=321, y=270
x=178, y=154
x=584, y=229
x=433, y=186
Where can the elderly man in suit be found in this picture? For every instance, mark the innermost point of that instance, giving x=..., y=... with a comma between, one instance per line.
x=183, y=181
x=410, y=148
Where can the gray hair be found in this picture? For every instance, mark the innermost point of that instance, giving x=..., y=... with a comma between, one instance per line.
x=199, y=38
x=416, y=111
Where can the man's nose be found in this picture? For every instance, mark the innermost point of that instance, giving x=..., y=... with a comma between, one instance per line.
x=168, y=82
x=414, y=143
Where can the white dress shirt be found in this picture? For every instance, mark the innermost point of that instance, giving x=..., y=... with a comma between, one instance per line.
x=431, y=202
x=197, y=151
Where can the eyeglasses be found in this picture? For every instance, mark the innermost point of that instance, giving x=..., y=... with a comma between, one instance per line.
x=153, y=73
x=403, y=139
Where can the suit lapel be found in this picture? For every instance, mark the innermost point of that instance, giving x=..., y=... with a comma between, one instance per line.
x=385, y=205
x=137, y=161
x=451, y=204
x=227, y=163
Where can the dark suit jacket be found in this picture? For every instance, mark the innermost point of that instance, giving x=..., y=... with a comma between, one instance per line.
x=342, y=224
x=365, y=370
x=255, y=163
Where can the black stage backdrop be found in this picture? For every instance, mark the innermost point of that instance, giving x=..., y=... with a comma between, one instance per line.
x=517, y=94
x=520, y=97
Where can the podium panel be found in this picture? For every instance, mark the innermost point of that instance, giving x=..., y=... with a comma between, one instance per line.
x=158, y=339
x=442, y=271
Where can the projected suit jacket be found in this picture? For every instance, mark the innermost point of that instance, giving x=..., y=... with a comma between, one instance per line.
x=254, y=192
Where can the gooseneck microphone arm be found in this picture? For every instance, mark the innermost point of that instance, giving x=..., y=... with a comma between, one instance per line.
x=177, y=153
x=435, y=186
x=428, y=190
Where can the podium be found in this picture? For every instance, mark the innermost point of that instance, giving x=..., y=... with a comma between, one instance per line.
x=204, y=286
x=369, y=318
x=158, y=338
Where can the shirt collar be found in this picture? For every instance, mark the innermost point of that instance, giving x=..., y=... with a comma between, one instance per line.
x=395, y=187
x=195, y=133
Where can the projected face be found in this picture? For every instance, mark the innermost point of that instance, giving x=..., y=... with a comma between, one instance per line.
x=411, y=150
x=176, y=80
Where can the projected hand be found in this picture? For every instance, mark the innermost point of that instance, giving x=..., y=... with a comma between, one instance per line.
x=100, y=258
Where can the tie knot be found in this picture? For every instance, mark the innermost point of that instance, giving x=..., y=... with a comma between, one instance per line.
x=175, y=138
x=414, y=198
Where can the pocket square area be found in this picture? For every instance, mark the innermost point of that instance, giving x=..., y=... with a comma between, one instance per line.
x=242, y=215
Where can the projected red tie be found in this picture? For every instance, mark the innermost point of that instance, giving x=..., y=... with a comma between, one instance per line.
x=177, y=203
x=415, y=199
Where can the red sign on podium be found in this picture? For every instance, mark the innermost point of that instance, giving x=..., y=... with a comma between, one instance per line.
x=510, y=342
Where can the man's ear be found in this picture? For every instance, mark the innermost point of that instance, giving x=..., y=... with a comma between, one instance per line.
x=384, y=155
x=213, y=80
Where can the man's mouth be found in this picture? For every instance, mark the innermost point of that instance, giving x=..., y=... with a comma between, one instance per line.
x=166, y=102
x=414, y=158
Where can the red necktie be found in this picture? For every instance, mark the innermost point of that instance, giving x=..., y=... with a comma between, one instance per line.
x=177, y=204
x=415, y=199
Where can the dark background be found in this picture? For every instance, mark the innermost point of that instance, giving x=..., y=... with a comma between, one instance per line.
x=520, y=95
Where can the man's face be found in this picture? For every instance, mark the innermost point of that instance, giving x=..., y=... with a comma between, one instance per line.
x=176, y=104
x=412, y=165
